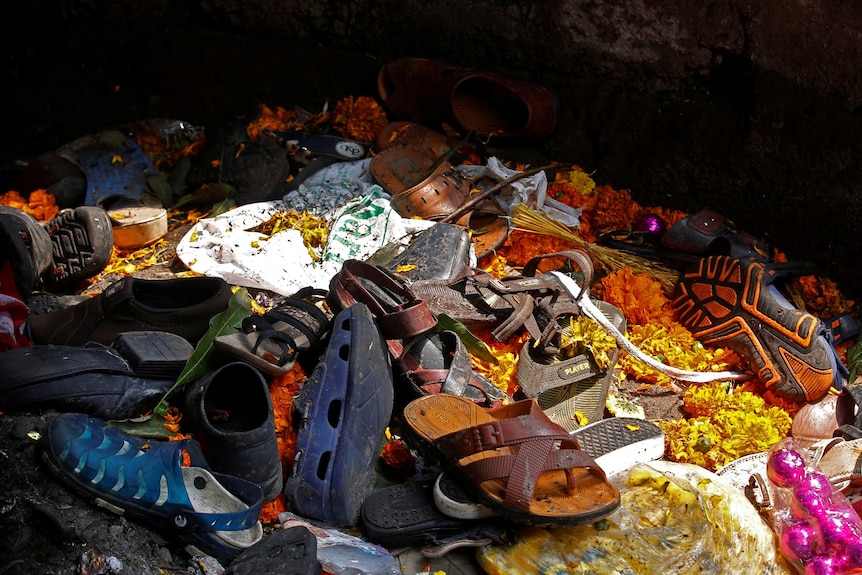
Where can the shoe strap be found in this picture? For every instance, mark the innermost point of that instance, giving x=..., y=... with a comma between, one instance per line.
x=246, y=491
x=403, y=317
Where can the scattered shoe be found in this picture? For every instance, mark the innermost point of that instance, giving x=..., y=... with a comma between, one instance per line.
x=697, y=235
x=438, y=362
x=733, y=302
x=164, y=484
x=57, y=175
x=564, y=387
x=27, y=249
x=616, y=443
x=290, y=551
x=342, y=412
x=82, y=241
x=122, y=381
x=183, y=306
x=397, y=312
x=512, y=459
x=422, y=185
x=404, y=515
x=452, y=500
x=229, y=412
x=273, y=340
x=74, y=246
x=441, y=252
x=708, y=233
x=436, y=94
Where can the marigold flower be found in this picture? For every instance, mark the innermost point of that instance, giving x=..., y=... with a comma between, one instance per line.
x=674, y=345
x=639, y=297
x=727, y=424
x=359, y=118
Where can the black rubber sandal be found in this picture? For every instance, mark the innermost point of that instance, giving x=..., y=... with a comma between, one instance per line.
x=272, y=341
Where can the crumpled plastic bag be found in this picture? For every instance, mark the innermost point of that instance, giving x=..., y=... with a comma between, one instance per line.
x=360, y=220
x=530, y=190
x=675, y=519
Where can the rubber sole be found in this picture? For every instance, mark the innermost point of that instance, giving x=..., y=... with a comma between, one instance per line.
x=732, y=302
x=82, y=241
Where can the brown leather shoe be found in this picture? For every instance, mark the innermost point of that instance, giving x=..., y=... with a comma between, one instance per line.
x=415, y=135
x=182, y=306
x=438, y=95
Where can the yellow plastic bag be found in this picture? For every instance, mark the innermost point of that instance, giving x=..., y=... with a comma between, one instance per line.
x=675, y=519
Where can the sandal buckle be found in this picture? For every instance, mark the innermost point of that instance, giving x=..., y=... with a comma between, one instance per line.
x=489, y=435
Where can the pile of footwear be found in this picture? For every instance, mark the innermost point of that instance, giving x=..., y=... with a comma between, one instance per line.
x=389, y=348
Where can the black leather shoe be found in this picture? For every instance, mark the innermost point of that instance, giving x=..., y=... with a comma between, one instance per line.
x=229, y=412
x=122, y=381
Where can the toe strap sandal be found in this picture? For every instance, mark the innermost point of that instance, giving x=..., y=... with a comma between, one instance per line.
x=272, y=341
x=165, y=484
x=513, y=459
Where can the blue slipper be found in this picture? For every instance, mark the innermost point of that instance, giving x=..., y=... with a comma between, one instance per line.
x=165, y=484
x=343, y=411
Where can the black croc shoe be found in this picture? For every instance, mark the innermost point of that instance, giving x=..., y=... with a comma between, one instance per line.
x=229, y=412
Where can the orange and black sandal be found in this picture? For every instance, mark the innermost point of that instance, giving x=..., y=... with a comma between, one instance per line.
x=733, y=302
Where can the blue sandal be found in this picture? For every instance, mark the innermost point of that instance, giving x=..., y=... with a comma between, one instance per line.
x=148, y=481
x=343, y=410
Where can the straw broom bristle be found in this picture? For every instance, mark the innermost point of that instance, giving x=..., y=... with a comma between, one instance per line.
x=609, y=259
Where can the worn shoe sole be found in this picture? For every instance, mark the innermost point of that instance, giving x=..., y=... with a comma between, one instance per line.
x=732, y=302
x=82, y=241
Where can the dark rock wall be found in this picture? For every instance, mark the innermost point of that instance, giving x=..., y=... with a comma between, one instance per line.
x=752, y=108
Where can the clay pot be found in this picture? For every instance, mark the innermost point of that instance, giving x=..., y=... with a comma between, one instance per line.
x=819, y=420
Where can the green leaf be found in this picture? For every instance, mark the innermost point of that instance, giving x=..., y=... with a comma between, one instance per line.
x=201, y=361
x=474, y=345
x=149, y=427
x=854, y=361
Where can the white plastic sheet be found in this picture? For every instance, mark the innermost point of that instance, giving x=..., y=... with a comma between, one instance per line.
x=358, y=213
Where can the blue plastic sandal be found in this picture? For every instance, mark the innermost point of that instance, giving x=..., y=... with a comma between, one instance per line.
x=166, y=484
x=343, y=409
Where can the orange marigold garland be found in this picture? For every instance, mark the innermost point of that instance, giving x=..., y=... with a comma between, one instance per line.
x=638, y=296
x=282, y=389
x=523, y=245
x=40, y=204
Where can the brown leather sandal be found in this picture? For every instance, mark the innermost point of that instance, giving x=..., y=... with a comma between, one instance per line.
x=424, y=186
x=396, y=311
x=513, y=459
x=531, y=301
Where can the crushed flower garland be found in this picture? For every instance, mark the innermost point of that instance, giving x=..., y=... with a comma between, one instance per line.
x=314, y=229
x=724, y=424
